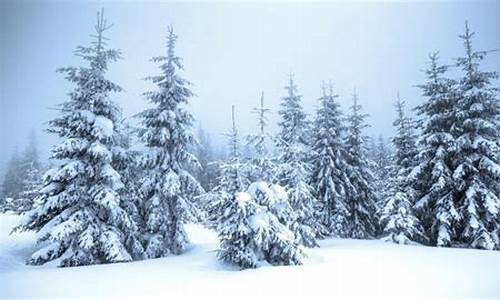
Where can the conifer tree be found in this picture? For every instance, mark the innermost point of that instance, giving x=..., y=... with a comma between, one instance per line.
x=248, y=230
x=233, y=179
x=329, y=177
x=80, y=220
x=295, y=169
x=432, y=178
x=381, y=161
x=20, y=177
x=477, y=131
x=359, y=192
x=12, y=184
x=398, y=219
x=168, y=188
x=27, y=199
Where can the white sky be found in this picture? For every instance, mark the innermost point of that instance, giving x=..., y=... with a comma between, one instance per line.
x=232, y=52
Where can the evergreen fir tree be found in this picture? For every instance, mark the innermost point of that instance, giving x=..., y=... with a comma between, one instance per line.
x=432, y=177
x=329, y=177
x=248, y=230
x=27, y=178
x=398, y=219
x=249, y=233
x=80, y=220
x=26, y=200
x=359, y=192
x=477, y=131
x=381, y=161
x=295, y=169
x=168, y=188
x=19, y=177
x=233, y=178
x=12, y=184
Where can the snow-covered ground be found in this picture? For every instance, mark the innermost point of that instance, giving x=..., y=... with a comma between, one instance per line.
x=340, y=269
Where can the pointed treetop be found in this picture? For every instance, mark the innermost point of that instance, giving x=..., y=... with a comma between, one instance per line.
x=261, y=112
x=100, y=27
x=292, y=88
x=233, y=118
x=171, y=39
x=400, y=106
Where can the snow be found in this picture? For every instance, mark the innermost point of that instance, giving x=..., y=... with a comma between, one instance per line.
x=340, y=269
x=103, y=127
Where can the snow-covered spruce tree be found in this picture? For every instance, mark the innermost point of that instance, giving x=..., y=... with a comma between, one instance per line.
x=381, y=161
x=80, y=220
x=168, y=189
x=329, y=177
x=249, y=233
x=19, y=177
x=359, y=191
x=262, y=166
x=397, y=216
x=295, y=169
x=248, y=230
x=432, y=177
x=477, y=164
x=26, y=200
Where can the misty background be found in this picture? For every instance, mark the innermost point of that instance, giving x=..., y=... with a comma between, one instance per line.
x=231, y=53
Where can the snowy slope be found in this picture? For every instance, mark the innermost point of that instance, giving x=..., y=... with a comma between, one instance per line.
x=340, y=269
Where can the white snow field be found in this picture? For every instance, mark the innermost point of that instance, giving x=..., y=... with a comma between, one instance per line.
x=340, y=269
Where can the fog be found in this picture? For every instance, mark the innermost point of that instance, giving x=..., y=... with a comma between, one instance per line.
x=232, y=52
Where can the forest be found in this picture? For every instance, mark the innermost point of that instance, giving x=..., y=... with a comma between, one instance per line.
x=115, y=191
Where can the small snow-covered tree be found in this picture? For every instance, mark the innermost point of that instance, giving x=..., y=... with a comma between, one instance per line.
x=329, y=177
x=360, y=196
x=397, y=216
x=233, y=178
x=477, y=131
x=248, y=234
x=80, y=220
x=12, y=184
x=168, y=188
x=26, y=200
x=19, y=177
x=432, y=177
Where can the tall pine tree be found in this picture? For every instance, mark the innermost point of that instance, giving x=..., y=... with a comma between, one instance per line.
x=81, y=220
x=295, y=168
x=168, y=188
x=397, y=216
x=432, y=177
x=329, y=175
x=477, y=130
x=360, y=195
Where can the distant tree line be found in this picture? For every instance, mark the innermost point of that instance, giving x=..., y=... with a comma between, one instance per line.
x=437, y=183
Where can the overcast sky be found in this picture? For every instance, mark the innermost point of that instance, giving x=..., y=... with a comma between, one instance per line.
x=232, y=52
